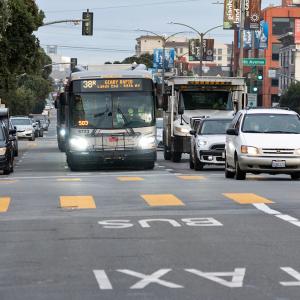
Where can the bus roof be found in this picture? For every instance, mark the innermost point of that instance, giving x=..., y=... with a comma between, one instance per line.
x=111, y=74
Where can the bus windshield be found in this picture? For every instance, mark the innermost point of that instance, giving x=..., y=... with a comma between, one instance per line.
x=215, y=100
x=113, y=110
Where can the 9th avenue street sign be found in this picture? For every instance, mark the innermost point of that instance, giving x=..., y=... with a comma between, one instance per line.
x=254, y=61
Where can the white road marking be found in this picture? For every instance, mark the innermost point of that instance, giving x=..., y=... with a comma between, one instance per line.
x=152, y=278
x=102, y=279
x=169, y=170
x=294, y=274
x=266, y=209
x=237, y=276
x=145, y=223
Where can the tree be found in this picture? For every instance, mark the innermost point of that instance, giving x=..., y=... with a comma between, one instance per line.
x=146, y=59
x=5, y=15
x=291, y=98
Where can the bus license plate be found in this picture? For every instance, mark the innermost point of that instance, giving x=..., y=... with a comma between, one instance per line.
x=278, y=164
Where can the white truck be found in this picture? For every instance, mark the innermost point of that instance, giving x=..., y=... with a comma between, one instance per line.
x=191, y=97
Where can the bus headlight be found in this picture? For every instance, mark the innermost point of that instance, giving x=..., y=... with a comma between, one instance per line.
x=147, y=142
x=78, y=144
x=62, y=132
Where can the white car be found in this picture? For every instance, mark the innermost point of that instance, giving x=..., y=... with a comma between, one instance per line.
x=25, y=127
x=263, y=141
x=208, y=142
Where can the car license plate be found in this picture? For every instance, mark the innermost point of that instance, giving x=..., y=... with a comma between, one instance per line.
x=278, y=164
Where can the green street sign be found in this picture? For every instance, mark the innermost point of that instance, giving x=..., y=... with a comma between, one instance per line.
x=254, y=61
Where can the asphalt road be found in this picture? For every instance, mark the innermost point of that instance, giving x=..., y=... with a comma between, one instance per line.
x=170, y=233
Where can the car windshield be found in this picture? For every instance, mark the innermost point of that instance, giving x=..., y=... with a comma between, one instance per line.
x=194, y=100
x=21, y=121
x=214, y=127
x=271, y=123
x=113, y=110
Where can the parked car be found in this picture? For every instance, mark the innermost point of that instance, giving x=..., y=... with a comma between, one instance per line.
x=263, y=141
x=159, y=132
x=208, y=142
x=6, y=151
x=39, y=130
x=24, y=127
x=13, y=137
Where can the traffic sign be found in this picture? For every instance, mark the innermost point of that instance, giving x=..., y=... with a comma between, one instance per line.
x=252, y=100
x=254, y=61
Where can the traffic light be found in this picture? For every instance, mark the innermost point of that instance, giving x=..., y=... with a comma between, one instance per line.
x=73, y=63
x=87, y=23
x=255, y=88
x=260, y=75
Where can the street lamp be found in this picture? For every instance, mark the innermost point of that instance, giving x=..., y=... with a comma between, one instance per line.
x=164, y=40
x=201, y=35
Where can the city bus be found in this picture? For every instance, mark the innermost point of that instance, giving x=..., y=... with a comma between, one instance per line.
x=110, y=119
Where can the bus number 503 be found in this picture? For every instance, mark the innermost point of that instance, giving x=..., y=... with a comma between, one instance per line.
x=83, y=123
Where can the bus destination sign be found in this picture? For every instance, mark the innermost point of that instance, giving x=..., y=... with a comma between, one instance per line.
x=104, y=85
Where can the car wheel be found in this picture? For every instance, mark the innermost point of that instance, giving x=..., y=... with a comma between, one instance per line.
x=192, y=166
x=176, y=156
x=149, y=165
x=167, y=153
x=198, y=165
x=295, y=176
x=228, y=174
x=239, y=174
x=8, y=168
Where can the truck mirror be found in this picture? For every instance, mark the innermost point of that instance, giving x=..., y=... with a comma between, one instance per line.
x=165, y=102
x=192, y=132
x=181, y=105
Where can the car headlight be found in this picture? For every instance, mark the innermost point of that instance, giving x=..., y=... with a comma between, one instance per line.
x=62, y=132
x=182, y=129
x=201, y=143
x=147, y=142
x=78, y=143
x=2, y=151
x=249, y=150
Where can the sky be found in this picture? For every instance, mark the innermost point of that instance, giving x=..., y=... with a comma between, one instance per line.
x=116, y=24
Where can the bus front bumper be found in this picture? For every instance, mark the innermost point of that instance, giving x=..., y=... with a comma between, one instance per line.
x=110, y=157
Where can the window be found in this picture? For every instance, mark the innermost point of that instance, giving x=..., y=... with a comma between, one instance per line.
x=275, y=82
x=181, y=50
x=282, y=25
x=219, y=57
x=275, y=51
x=219, y=51
x=292, y=57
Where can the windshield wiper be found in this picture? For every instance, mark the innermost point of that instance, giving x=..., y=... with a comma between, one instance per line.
x=102, y=113
x=283, y=132
x=126, y=123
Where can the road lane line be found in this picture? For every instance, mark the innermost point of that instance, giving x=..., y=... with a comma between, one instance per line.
x=263, y=207
x=246, y=198
x=162, y=200
x=190, y=177
x=68, y=179
x=4, y=204
x=129, y=178
x=77, y=202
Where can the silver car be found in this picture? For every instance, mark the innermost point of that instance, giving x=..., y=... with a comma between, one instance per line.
x=263, y=141
x=25, y=128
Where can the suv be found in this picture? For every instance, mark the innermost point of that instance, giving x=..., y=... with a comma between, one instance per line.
x=6, y=151
x=208, y=142
x=263, y=141
x=25, y=128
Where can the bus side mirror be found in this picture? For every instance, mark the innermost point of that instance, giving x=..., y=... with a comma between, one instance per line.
x=62, y=99
x=165, y=102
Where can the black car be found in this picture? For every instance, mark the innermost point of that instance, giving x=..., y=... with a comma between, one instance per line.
x=6, y=150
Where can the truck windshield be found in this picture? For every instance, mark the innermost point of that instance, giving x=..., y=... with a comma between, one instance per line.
x=194, y=100
x=113, y=110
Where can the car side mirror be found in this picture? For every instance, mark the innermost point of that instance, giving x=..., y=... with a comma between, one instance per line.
x=192, y=132
x=12, y=131
x=232, y=131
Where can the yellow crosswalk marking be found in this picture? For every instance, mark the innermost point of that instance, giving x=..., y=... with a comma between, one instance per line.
x=130, y=178
x=190, y=177
x=244, y=198
x=69, y=179
x=7, y=181
x=4, y=204
x=77, y=202
x=162, y=200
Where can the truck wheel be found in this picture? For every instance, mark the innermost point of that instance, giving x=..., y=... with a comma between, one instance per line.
x=176, y=156
x=192, y=166
x=167, y=153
